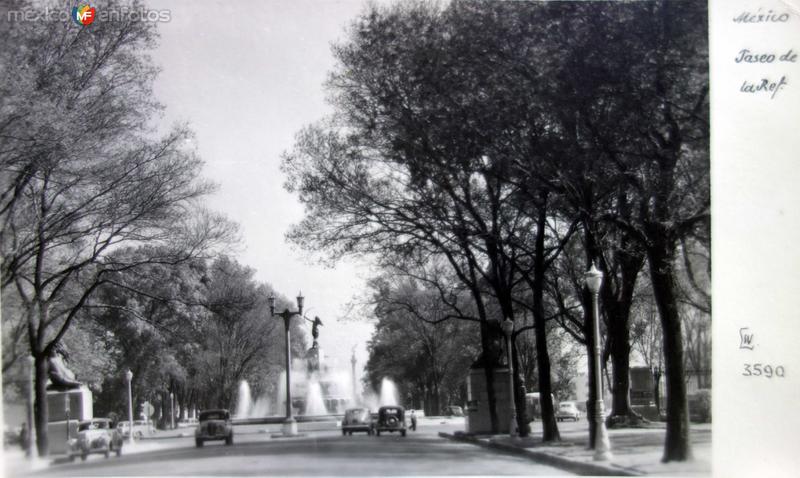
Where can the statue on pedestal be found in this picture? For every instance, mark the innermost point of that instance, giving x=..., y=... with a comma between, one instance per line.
x=315, y=328
x=61, y=377
x=313, y=354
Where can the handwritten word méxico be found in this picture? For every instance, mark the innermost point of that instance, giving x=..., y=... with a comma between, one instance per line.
x=747, y=56
x=760, y=17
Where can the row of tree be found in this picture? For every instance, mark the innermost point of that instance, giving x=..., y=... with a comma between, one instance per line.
x=107, y=250
x=492, y=151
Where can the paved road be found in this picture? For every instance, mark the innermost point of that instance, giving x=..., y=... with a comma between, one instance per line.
x=318, y=453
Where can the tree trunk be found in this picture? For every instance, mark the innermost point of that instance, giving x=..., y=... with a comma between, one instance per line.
x=620, y=387
x=40, y=405
x=488, y=369
x=657, y=390
x=676, y=445
x=549, y=424
x=519, y=394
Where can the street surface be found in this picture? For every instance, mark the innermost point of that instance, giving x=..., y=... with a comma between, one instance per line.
x=322, y=452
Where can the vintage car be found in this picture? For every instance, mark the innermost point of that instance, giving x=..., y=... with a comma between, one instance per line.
x=568, y=411
x=214, y=425
x=391, y=419
x=95, y=436
x=357, y=420
x=453, y=411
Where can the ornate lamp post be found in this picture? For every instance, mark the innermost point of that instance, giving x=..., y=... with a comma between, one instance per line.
x=66, y=413
x=602, y=446
x=129, y=379
x=289, y=425
x=31, y=435
x=508, y=329
x=353, y=366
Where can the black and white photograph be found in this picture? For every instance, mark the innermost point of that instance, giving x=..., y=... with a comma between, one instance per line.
x=387, y=238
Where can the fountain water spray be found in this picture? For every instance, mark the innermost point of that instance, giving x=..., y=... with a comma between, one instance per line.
x=243, y=401
x=389, y=394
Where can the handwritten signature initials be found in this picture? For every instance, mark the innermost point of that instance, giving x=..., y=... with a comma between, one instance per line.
x=746, y=339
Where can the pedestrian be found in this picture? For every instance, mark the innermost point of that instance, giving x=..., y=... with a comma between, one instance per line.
x=413, y=421
x=24, y=439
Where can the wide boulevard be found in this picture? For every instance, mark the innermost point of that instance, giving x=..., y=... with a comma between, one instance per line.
x=257, y=451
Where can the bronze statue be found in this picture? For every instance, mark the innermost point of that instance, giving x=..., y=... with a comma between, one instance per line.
x=315, y=328
x=61, y=377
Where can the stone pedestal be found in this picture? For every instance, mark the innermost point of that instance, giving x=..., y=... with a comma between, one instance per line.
x=80, y=408
x=478, y=415
x=290, y=427
x=80, y=404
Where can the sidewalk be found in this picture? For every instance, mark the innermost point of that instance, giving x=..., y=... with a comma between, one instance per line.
x=636, y=451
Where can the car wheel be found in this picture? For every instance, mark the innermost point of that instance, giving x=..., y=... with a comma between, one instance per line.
x=403, y=432
x=139, y=435
x=378, y=433
x=118, y=449
x=72, y=458
x=198, y=442
x=344, y=432
x=107, y=452
x=83, y=457
x=229, y=440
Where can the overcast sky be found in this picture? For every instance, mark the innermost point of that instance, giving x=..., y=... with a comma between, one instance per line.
x=247, y=76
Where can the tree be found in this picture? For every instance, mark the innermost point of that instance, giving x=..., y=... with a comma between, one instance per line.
x=82, y=178
x=419, y=344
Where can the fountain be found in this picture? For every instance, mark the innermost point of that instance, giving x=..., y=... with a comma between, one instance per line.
x=315, y=404
x=317, y=388
x=243, y=402
x=388, y=392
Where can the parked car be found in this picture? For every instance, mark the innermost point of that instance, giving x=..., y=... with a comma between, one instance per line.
x=391, y=419
x=453, y=411
x=568, y=411
x=141, y=428
x=357, y=420
x=95, y=436
x=214, y=425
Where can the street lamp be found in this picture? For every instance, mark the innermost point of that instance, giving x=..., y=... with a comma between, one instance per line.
x=508, y=329
x=602, y=446
x=129, y=379
x=353, y=366
x=66, y=413
x=289, y=425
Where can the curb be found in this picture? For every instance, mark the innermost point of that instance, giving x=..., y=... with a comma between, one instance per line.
x=577, y=467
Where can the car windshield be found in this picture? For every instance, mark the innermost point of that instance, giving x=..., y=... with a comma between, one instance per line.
x=218, y=415
x=566, y=405
x=356, y=413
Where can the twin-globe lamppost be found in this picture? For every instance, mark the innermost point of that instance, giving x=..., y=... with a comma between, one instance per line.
x=129, y=379
x=508, y=329
x=602, y=446
x=289, y=425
